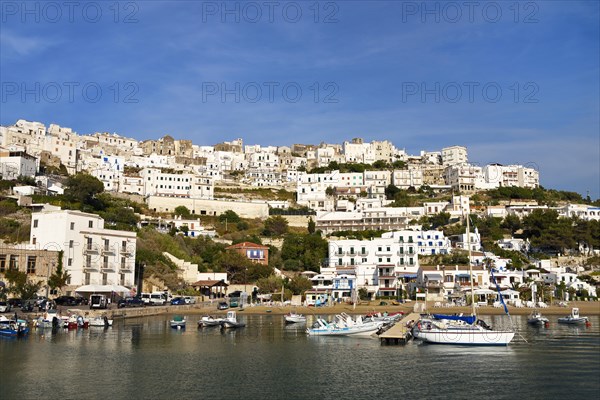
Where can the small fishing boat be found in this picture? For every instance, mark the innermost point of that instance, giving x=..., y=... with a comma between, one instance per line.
x=101, y=322
x=231, y=321
x=574, y=318
x=50, y=319
x=209, y=320
x=178, y=322
x=293, y=318
x=536, y=318
x=13, y=327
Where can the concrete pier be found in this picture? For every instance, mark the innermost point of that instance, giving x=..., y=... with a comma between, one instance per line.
x=399, y=333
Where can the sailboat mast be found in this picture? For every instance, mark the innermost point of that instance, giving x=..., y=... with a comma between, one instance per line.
x=470, y=266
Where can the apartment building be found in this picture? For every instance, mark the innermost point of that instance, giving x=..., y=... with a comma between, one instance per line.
x=159, y=182
x=17, y=163
x=92, y=254
x=454, y=155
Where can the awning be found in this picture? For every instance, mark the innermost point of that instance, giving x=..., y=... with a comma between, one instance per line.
x=434, y=277
x=102, y=289
x=462, y=275
x=407, y=275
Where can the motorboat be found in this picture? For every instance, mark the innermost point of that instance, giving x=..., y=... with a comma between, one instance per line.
x=50, y=319
x=344, y=325
x=209, y=320
x=536, y=318
x=13, y=327
x=178, y=322
x=230, y=321
x=293, y=318
x=103, y=322
x=574, y=318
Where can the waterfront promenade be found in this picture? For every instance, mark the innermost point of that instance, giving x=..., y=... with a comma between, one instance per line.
x=585, y=308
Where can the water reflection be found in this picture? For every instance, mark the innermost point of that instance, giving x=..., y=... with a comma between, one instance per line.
x=145, y=357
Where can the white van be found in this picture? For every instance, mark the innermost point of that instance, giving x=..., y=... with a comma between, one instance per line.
x=157, y=299
x=146, y=298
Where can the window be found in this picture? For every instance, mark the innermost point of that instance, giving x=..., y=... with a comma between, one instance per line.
x=105, y=264
x=2, y=262
x=72, y=226
x=70, y=244
x=34, y=240
x=90, y=224
x=106, y=245
x=105, y=279
x=13, y=262
x=35, y=223
x=69, y=262
x=87, y=278
x=31, y=264
x=122, y=262
x=89, y=243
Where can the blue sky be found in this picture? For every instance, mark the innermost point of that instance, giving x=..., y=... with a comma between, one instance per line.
x=513, y=84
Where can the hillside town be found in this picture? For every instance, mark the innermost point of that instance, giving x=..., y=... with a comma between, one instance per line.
x=330, y=222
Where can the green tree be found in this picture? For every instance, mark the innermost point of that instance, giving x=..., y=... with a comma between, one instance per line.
x=299, y=284
x=83, y=188
x=230, y=216
x=275, y=226
x=391, y=191
x=329, y=191
x=311, y=226
x=183, y=211
x=59, y=278
x=270, y=284
x=236, y=265
x=20, y=285
x=512, y=223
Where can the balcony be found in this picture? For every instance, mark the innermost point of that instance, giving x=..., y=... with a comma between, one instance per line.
x=90, y=268
x=107, y=251
x=90, y=250
x=432, y=285
x=383, y=252
x=108, y=267
x=126, y=268
x=125, y=252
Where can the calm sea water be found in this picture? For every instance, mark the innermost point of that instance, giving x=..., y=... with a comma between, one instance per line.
x=146, y=359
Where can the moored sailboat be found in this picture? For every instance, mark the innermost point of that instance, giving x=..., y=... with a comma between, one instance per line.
x=463, y=330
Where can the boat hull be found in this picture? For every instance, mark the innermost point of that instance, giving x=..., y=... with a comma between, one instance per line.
x=572, y=321
x=473, y=337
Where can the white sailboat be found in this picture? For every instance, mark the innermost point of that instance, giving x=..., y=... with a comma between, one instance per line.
x=461, y=330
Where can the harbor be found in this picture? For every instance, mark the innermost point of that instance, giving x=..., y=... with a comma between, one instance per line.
x=145, y=358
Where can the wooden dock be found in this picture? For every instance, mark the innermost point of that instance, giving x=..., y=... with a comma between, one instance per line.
x=399, y=333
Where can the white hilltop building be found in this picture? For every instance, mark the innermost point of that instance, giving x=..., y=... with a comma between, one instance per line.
x=92, y=254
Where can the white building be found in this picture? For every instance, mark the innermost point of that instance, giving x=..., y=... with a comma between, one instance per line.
x=91, y=253
x=158, y=182
x=17, y=163
x=454, y=155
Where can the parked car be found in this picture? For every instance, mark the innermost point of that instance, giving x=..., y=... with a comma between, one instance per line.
x=178, y=301
x=158, y=299
x=222, y=306
x=234, y=302
x=28, y=305
x=189, y=299
x=69, y=301
x=131, y=302
x=4, y=306
x=98, y=301
x=15, y=302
